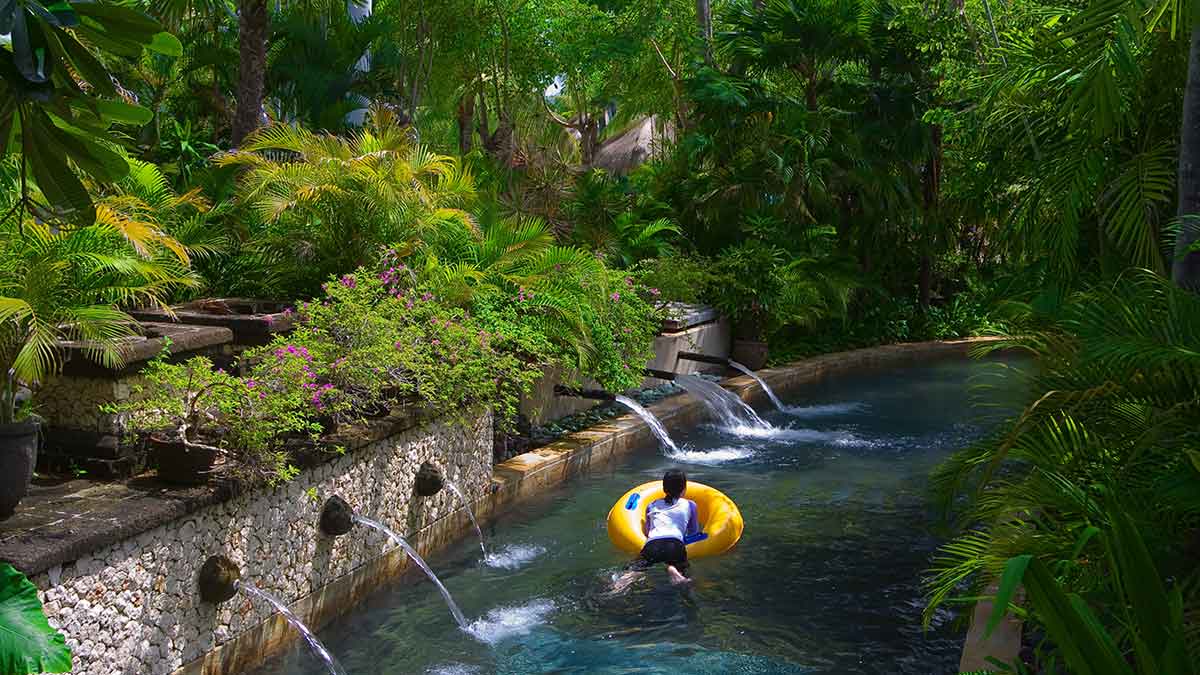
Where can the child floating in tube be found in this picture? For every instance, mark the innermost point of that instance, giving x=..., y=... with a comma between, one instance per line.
x=669, y=522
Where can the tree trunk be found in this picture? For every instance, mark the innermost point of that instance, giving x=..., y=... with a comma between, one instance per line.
x=466, y=117
x=925, y=282
x=704, y=19
x=933, y=187
x=1186, y=269
x=252, y=69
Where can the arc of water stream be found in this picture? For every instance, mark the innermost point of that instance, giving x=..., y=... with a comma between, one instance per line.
x=420, y=562
x=730, y=410
x=313, y=643
x=762, y=383
x=656, y=425
x=470, y=514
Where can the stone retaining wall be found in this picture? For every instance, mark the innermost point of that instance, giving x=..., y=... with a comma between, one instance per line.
x=132, y=607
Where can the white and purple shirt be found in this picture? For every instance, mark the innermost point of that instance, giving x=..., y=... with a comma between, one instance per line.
x=675, y=520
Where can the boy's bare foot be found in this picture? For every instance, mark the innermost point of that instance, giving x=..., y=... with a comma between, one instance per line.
x=676, y=577
x=624, y=581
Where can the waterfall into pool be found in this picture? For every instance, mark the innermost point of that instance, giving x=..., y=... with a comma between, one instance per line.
x=462, y=499
x=656, y=425
x=762, y=383
x=313, y=643
x=420, y=562
x=729, y=411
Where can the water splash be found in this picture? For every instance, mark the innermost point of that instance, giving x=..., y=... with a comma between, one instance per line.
x=313, y=643
x=825, y=409
x=420, y=562
x=717, y=456
x=470, y=514
x=505, y=622
x=731, y=412
x=653, y=422
x=513, y=556
x=762, y=383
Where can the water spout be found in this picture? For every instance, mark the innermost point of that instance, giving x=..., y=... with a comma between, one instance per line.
x=770, y=392
x=420, y=562
x=313, y=643
x=470, y=514
x=651, y=421
x=730, y=411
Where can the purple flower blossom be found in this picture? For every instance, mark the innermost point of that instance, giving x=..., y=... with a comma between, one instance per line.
x=628, y=281
x=349, y=281
x=616, y=297
x=654, y=292
x=427, y=296
x=250, y=383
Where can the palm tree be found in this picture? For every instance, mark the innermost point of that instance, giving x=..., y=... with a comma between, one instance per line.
x=328, y=203
x=1111, y=414
x=69, y=284
x=253, y=31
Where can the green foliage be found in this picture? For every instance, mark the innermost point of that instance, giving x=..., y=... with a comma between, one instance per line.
x=372, y=342
x=28, y=645
x=60, y=285
x=1151, y=636
x=57, y=97
x=1110, y=415
x=326, y=204
x=248, y=420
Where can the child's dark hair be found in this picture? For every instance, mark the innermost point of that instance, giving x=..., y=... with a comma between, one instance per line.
x=674, y=482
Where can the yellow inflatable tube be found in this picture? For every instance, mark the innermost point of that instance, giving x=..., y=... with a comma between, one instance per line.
x=720, y=519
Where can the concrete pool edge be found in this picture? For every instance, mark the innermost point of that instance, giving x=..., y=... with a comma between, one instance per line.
x=533, y=473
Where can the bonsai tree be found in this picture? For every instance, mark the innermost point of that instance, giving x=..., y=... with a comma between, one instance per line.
x=245, y=419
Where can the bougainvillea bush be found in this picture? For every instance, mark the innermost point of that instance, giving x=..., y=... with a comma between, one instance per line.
x=373, y=343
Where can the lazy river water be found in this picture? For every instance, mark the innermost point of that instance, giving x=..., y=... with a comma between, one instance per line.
x=826, y=578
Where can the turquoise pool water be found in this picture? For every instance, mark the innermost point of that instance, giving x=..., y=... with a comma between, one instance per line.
x=826, y=578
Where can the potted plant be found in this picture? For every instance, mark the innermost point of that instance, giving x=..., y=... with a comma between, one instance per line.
x=18, y=446
x=191, y=414
x=64, y=284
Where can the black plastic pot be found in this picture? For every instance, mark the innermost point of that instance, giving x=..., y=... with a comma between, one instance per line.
x=18, y=455
x=178, y=463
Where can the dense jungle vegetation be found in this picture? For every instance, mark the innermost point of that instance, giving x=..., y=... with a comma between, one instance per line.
x=462, y=192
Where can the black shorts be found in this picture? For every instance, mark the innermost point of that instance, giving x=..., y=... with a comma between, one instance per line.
x=664, y=551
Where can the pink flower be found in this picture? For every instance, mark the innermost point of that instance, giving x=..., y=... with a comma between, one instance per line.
x=250, y=383
x=628, y=281
x=426, y=296
x=348, y=281
x=436, y=341
x=654, y=291
x=616, y=297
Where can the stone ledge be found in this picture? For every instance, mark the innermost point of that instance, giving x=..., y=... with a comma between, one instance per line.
x=60, y=521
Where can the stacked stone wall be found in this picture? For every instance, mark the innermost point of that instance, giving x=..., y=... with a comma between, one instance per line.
x=132, y=607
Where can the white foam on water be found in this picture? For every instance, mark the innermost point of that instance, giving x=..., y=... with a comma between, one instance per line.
x=513, y=556
x=454, y=669
x=717, y=456
x=502, y=623
x=841, y=439
x=824, y=409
